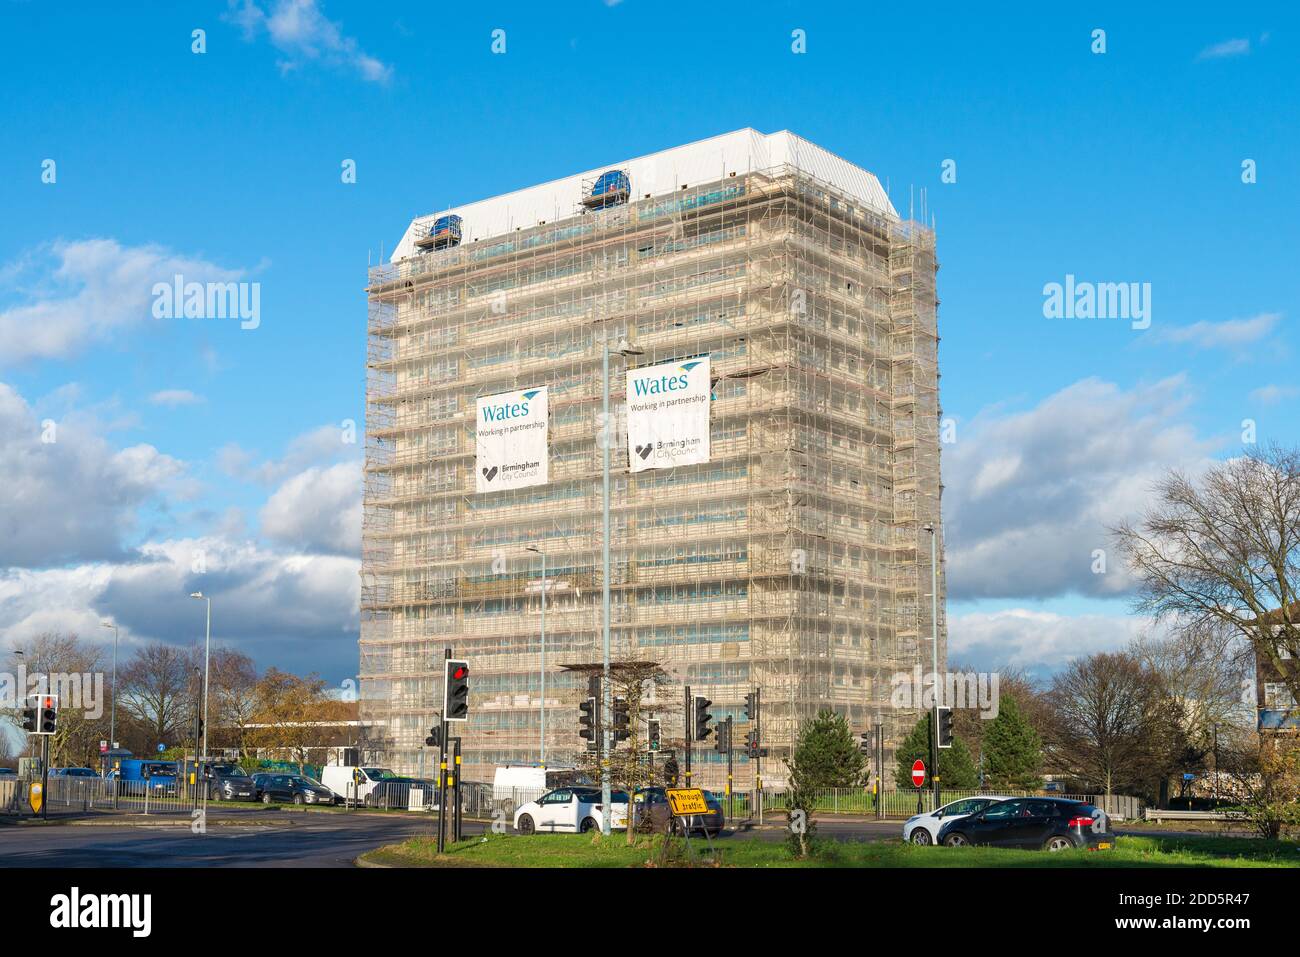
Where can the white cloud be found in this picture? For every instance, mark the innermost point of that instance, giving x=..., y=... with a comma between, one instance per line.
x=1029, y=496
x=74, y=498
x=1232, y=334
x=1273, y=394
x=323, y=444
x=73, y=294
x=299, y=30
x=1036, y=641
x=1228, y=48
x=295, y=610
x=319, y=510
x=175, y=397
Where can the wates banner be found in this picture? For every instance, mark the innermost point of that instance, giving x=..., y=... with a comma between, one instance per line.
x=668, y=414
x=511, y=435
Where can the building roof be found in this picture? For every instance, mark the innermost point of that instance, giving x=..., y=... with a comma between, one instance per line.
x=659, y=174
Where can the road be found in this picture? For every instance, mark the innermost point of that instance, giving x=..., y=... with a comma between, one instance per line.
x=304, y=840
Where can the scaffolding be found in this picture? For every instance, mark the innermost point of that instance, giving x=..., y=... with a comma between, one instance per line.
x=796, y=560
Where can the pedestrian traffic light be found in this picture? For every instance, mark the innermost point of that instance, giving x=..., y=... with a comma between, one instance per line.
x=434, y=740
x=455, y=698
x=751, y=705
x=945, y=727
x=620, y=720
x=723, y=742
x=752, y=746
x=702, y=718
x=653, y=735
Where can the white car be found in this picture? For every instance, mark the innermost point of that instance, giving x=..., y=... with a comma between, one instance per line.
x=573, y=810
x=924, y=828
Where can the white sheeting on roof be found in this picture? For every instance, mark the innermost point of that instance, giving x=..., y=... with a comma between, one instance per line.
x=658, y=174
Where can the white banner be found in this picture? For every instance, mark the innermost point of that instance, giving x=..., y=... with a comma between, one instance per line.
x=668, y=414
x=511, y=435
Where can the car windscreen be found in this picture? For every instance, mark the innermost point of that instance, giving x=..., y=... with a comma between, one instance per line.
x=379, y=774
x=230, y=771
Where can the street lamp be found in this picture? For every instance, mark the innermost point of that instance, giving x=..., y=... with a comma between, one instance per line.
x=625, y=349
x=207, y=644
x=112, y=714
x=934, y=653
x=542, y=748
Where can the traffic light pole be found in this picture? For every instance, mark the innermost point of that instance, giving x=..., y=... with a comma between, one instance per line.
x=455, y=794
x=731, y=751
x=45, y=777
x=934, y=660
x=690, y=731
x=442, y=765
x=758, y=756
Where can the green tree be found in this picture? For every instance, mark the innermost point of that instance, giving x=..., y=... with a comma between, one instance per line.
x=1013, y=751
x=956, y=769
x=826, y=754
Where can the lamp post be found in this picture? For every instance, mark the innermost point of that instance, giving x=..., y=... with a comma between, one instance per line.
x=625, y=349
x=934, y=654
x=112, y=713
x=207, y=644
x=542, y=743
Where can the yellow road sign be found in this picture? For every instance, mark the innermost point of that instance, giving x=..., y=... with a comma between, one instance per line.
x=687, y=801
x=36, y=797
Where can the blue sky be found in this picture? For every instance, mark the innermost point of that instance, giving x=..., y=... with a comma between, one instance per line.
x=178, y=438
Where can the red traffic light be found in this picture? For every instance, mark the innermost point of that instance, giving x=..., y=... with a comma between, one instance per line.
x=460, y=672
x=47, y=702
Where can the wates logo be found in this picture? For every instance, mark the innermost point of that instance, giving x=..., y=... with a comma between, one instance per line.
x=509, y=410
x=665, y=383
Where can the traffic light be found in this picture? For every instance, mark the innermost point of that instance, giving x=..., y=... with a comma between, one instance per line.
x=589, y=715
x=620, y=720
x=751, y=705
x=455, y=691
x=653, y=735
x=751, y=745
x=31, y=720
x=46, y=713
x=434, y=740
x=671, y=771
x=723, y=742
x=945, y=727
x=867, y=745
x=702, y=718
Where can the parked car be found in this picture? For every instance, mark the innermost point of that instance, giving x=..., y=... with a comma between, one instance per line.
x=1053, y=824
x=924, y=828
x=73, y=773
x=8, y=773
x=653, y=813
x=575, y=810
x=138, y=774
x=351, y=783
x=229, y=782
x=513, y=784
x=273, y=786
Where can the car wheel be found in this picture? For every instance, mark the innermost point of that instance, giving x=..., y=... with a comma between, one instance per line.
x=587, y=824
x=297, y=799
x=957, y=839
x=675, y=828
x=525, y=825
x=1058, y=843
x=266, y=797
x=921, y=837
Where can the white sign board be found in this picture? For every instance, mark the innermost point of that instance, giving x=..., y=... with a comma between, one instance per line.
x=511, y=434
x=668, y=414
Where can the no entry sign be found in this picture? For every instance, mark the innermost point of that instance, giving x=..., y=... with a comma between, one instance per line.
x=918, y=773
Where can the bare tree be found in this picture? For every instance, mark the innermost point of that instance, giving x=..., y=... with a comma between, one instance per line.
x=1263, y=772
x=1110, y=724
x=233, y=695
x=1225, y=551
x=69, y=667
x=157, y=689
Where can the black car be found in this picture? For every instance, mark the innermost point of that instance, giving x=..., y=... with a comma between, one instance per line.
x=229, y=782
x=1052, y=824
x=395, y=793
x=290, y=789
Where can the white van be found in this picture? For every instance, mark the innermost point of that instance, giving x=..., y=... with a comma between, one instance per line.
x=352, y=783
x=517, y=784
